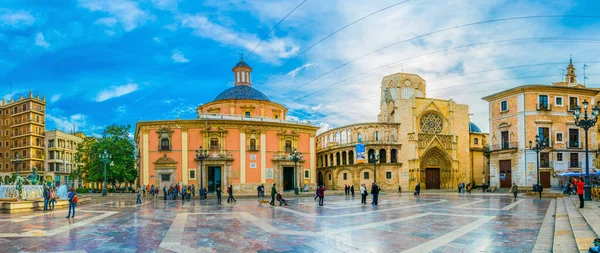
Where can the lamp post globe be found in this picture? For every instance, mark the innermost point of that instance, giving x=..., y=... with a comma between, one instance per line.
x=586, y=121
x=295, y=156
x=201, y=154
x=105, y=158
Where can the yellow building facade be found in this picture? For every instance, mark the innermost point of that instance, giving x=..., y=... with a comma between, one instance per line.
x=518, y=114
x=60, y=153
x=417, y=139
x=22, y=126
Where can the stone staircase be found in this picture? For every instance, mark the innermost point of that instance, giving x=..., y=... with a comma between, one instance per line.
x=574, y=229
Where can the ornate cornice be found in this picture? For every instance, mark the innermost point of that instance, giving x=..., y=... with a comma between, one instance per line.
x=165, y=160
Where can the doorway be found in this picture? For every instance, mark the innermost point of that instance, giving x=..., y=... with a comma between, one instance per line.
x=505, y=174
x=432, y=178
x=545, y=179
x=214, y=178
x=288, y=177
x=320, y=178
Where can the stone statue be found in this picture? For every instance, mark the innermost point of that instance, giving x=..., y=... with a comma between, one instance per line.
x=34, y=177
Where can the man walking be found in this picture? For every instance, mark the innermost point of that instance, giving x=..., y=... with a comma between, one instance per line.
x=321, y=192
x=273, y=193
x=139, y=196
x=72, y=202
x=514, y=189
x=375, y=193
x=230, y=191
x=46, y=197
x=418, y=189
x=218, y=195
x=580, y=186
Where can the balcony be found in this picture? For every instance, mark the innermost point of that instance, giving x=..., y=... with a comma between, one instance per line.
x=504, y=146
x=575, y=164
x=574, y=144
x=544, y=107
x=254, y=148
x=22, y=122
x=545, y=164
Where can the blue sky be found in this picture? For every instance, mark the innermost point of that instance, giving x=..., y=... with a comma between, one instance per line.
x=120, y=61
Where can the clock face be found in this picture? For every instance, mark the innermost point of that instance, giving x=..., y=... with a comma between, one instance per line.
x=407, y=83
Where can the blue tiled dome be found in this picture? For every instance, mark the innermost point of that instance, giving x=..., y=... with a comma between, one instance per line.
x=242, y=63
x=473, y=128
x=242, y=92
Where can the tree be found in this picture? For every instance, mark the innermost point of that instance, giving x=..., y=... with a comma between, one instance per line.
x=115, y=140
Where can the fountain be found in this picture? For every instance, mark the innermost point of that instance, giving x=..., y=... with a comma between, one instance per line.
x=28, y=191
x=62, y=192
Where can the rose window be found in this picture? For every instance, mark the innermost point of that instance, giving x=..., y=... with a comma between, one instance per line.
x=431, y=123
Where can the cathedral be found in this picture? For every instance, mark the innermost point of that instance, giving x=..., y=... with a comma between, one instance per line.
x=416, y=139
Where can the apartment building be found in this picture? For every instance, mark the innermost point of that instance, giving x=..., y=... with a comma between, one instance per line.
x=61, y=148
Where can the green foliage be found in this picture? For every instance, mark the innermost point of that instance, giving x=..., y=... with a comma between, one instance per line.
x=115, y=140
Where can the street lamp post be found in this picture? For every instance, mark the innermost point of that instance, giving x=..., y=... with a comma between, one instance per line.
x=201, y=154
x=540, y=144
x=105, y=158
x=295, y=156
x=374, y=158
x=17, y=161
x=586, y=123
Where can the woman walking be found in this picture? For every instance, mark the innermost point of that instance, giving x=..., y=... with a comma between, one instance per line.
x=363, y=194
x=321, y=195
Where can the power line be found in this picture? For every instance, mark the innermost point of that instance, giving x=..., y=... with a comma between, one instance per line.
x=440, y=31
x=455, y=50
x=276, y=25
x=333, y=33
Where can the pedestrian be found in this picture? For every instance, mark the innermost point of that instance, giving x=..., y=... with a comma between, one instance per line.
x=230, y=191
x=346, y=189
x=273, y=193
x=218, y=195
x=52, y=199
x=375, y=193
x=262, y=190
x=147, y=190
x=139, y=199
x=352, y=190
x=321, y=192
x=258, y=191
x=193, y=190
x=317, y=193
x=171, y=190
x=459, y=187
x=418, y=189
x=399, y=189
x=152, y=191
x=165, y=192
x=205, y=193
x=514, y=189
x=469, y=188
x=201, y=193
x=72, y=196
x=183, y=192
x=143, y=190
x=580, y=186
x=363, y=194
x=46, y=197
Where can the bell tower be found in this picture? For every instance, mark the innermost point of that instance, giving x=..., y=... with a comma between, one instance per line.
x=241, y=72
x=570, y=77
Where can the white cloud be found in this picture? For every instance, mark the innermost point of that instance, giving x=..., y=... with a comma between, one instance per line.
x=55, y=98
x=295, y=72
x=177, y=56
x=157, y=39
x=127, y=13
x=169, y=5
x=15, y=18
x=121, y=110
x=272, y=49
x=68, y=123
x=40, y=41
x=109, y=22
x=116, y=91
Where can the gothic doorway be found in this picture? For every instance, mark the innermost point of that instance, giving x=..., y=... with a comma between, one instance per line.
x=436, y=169
x=432, y=178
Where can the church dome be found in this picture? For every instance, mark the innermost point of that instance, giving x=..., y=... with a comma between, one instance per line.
x=473, y=128
x=242, y=92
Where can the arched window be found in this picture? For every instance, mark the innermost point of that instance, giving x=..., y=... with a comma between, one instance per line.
x=343, y=141
x=325, y=160
x=331, y=160
x=476, y=141
x=351, y=157
x=253, y=144
x=338, y=138
x=288, y=146
x=344, y=156
x=359, y=137
x=276, y=116
x=370, y=155
x=349, y=135
x=376, y=135
x=247, y=114
x=214, y=144
x=382, y=156
x=393, y=156
x=337, y=158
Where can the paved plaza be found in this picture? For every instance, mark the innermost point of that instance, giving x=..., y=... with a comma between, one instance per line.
x=441, y=222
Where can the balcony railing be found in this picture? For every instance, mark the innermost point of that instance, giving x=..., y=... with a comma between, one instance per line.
x=545, y=164
x=504, y=145
x=574, y=144
x=575, y=164
x=544, y=107
x=245, y=118
x=254, y=148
